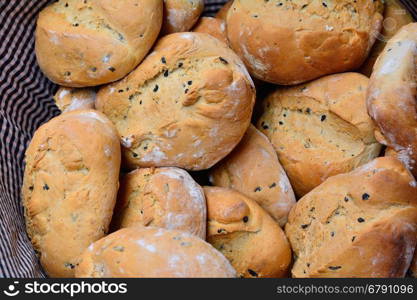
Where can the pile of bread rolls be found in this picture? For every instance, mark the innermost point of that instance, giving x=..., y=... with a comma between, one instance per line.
x=151, y=93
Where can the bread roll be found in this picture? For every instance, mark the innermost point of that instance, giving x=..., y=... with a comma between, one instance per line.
x=214, y=27
x=162, y=197
x=359, y=224
x=241, y=230
x=392, y=95
x=320, y=129
x=395, y=17
x=254, y=170
x=181, y=15
x=187, y=105
x=69, y=99
x=222, y=13
x=152, y=252
x=413, y=268
x=290, y=42
x=87, y=43
x=70, y=186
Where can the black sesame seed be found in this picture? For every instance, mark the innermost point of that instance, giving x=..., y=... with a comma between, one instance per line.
x=223, y=60
x=334, y=268
x=245, y=219
x=361, y=220
x=273, y=185
x=163, y=60
x=353, y=238
x=156, y=88
x=304, y=226
x=346, y=199
x=252, y=273
x=112, y=69
x=365, y=196
x=323, y=118
x=166, y=73
x=190, y=82
x=135, y=154
x=31, y=188
x=45, y=187
x=180, y=65
x=258, y=189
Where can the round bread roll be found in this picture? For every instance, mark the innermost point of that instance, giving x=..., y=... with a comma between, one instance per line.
x=214, y=27
x=320, y=129
x=181, y=15
x=254, y=170
x=152, y=252
x=359, y=224
x=289, y=42
x=222, y=13
x=69, y=99
x=87, y=43
x=240, y=229
x=392, y=95
x=70, y=187
x=162, y=197
x=187, y=105
x=395, y=17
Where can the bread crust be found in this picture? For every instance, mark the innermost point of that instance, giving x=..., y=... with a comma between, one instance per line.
x=252, y=241
x=254, y=170
x=70, y=186
x=161, y=197
x=222, y=13
x=89, y=43
x=290, y=42
x=320, y=129
x=148, y=252
x=187, y=105
x=395, y=17
x=213, y=26
x=181, y=15
x=359, y=224
x=70, y=99
x=392, y=95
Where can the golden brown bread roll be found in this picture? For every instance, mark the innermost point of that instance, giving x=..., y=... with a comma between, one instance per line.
x=254, y=170
x=289, y=42
x=161, y=197
x=152, y=252
x=240, y=229
x=395, y=17
x=222, y=13
x=69, y=99
x=70, y=186
x=187, y=105
x=214, y=27
x=87, y=43
x=359, y=224
x=392, y=95
x=181, y=15
x=320, y=129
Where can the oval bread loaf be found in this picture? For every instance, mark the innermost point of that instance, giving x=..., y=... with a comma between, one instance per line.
x=290, y=42
x=181, y=15
x=359, y=224
x=88, y=43
x=152, y=252
x=70, y=187
x=392, y=95
x=222, y=13
x=161, y=197
x=254, y=170
x=187, y=105
x=252, y=241
x=70, y=99
x=320, y=129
